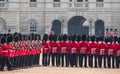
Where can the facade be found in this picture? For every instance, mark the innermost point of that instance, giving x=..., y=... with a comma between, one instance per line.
x=91, y=17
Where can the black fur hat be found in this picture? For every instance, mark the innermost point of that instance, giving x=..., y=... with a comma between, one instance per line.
x=119, y=40
x=107, y=39
x=54, y=37
x=9, y=39
x=93, y=38
x=84, y=37
x=51, y=37
x=70, y=37
x=3, y=40
x=45, y=37
x=97, y=39
x=111, y=39
x=74, y=38
x=65, y=37
x=78, y=38
x=115, y=39
x=102, y=38
x=60, y=38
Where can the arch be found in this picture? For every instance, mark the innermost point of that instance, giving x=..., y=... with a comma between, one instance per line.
x=75, y=26
x=56, y=26
x=32, y=25
x=99, y=28
x=2, y=25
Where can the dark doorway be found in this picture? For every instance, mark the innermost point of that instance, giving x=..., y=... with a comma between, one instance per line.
x=99, y=28
x=56, y=27
x=75, y=26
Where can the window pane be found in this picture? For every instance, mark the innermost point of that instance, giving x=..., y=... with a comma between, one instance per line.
x=56, y=0
x=32, y=0
x=79, y=0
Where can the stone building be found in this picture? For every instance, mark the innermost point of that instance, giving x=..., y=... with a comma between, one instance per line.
x=91, y=17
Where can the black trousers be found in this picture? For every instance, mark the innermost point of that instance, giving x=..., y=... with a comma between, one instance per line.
x=91, y=58
x=81, y=57
x=100, y=59
x=109, y=58
x=62, y=57
x=73, y=60
x=44, y=59
x=118, y=61
x=6, y=61
x=55, y=59
x=49, y=57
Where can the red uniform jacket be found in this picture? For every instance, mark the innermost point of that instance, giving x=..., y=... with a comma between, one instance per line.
x=5, y=50
x=64, y=47
x=102, y=49
x=54, y=47
x=84, y=47
x=93, y=48
x=46, y=47
x=118, y=50
x=73, y=47
x=111, y=49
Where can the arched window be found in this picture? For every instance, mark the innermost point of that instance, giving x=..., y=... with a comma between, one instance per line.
x=33, y=25
x=2, y=25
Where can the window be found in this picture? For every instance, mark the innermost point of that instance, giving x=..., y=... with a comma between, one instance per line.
x=70, y=0
x=33, y=25
x=99, y=0
x=56, y=3
x=56, y=0
x=79, y=0
x=3, y=3
x=33, y=0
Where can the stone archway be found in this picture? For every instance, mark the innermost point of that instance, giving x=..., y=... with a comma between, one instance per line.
x=99, y=28
x=56, y=27
x=75, y=26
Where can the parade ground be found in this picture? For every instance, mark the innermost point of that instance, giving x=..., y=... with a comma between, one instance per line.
x=63, y=70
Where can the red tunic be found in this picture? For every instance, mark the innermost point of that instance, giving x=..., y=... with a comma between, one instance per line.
x=46, y=47
x=102, y=49
x=93, y=48
x=111, y=49
x=118, y=50
x=73, y=46
x=54, y=47
x=5, y=50
x=64, y=47
x=84, y=47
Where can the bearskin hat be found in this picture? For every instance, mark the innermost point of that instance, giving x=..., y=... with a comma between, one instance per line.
x=115, y=39
x=119, y=40
x=78, y=38
x=70, y=37
x=45, y=37
x=102, y=38
x=84, y=37
x=9, y=39
x=107, y=39
x=93, y=38
x=54, y=37
x=60, y=38
x=51, y=37
x=74, y=38
x=3, y=40
x=65, y=37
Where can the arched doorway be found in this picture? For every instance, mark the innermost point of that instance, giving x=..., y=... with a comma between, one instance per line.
x=75, y=26
x=2, y=25
x=99, y=28
x=56, y=27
